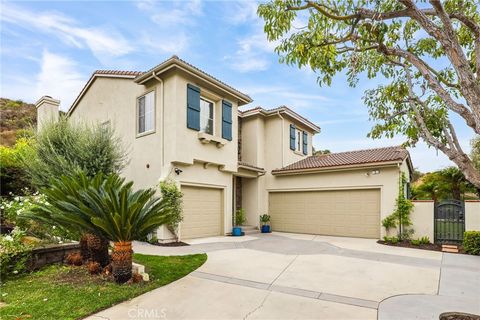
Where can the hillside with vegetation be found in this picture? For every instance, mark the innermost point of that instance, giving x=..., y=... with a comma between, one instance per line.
x=16, y=120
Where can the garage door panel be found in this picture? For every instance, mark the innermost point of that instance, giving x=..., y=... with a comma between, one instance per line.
x=353, y=213
x=202, y=212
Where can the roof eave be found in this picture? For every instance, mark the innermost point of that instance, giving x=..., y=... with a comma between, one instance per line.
x=266, y=113
x=338, y=168
x=175, y=62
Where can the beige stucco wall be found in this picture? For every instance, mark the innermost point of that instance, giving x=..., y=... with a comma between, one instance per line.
x=472, y=215
x=422, y=219
x=171, y=145
x=114, y=100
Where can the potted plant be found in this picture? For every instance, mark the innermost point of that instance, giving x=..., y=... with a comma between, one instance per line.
x=265, y=220
x=239, y=220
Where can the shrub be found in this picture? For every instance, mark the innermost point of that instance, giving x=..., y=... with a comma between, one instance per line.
x=424, y=240
x=74, y=259
x=420, y=241
x=64, y=148
x=415, y=242
x=12, y=214
x=14, y=254
x=471, y=242
x=173, y=197
x=389, y=222
x=240, y=217
x=13, y=177
x=391, y=240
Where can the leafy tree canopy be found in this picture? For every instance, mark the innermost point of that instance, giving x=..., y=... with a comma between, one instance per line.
x=428, y=52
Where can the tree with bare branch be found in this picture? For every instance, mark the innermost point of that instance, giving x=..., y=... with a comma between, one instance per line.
x=428, y=52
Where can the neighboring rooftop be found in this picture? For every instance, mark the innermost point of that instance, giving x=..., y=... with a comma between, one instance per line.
x=347, y=159
x=281, y=109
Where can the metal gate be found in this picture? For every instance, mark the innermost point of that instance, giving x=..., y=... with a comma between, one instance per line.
x=449, y=221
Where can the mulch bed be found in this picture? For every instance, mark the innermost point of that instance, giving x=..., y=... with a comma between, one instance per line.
x=171, y=244
x=458, y=316
x=407, y=244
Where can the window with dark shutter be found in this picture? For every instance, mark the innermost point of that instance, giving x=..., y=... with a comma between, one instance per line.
x=305, y=143
x=226, y=120
x=193, y=107
x=292, y=136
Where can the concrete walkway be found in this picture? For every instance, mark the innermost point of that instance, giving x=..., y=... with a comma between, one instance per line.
x=292, y=276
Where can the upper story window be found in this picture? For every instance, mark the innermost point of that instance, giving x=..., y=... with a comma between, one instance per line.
x=146, y=113
x=202, y=110
x=298, y=140
x=206, y=116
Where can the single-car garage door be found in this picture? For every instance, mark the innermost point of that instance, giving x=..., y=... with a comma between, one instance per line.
x=202, y=212
x=351, y=213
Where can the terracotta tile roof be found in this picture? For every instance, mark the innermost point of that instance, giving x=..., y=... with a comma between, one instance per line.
x=349, y=158
x=275, y=110
x=244, y=164
x=119, y=72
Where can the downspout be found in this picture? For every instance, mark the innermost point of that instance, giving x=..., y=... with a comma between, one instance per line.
x=163, y=117
x=281, y=135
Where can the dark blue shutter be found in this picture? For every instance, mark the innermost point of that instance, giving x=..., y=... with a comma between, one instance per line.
x=305, y=143
x=193, y=107
x=226, y=120
x=292, y=136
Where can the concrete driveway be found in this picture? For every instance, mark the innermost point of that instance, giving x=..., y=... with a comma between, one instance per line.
x=293, y=276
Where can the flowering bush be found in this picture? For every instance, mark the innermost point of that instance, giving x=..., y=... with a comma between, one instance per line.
x=13, y=208
x=13, y=177
x=14, y=254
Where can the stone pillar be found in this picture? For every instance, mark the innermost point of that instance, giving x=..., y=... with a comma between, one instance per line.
x=47, y=111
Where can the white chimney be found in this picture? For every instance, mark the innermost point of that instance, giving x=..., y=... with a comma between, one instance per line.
x=47, y=110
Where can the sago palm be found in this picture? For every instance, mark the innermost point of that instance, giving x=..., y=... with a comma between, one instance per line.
x=106, y=206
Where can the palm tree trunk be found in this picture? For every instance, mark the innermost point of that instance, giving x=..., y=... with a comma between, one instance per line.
x=95, y=248
x=122, y=261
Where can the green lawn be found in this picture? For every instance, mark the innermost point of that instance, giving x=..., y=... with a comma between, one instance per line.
x=64, y=292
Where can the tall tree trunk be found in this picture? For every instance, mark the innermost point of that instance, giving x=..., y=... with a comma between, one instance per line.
x=122, y=261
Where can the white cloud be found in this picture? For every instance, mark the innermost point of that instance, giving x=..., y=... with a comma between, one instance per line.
x=168, y=14
x=58, y=78
x=241, y=11
x=105, y=43
x=253, y=54
x=172, y=44
x=172, y=20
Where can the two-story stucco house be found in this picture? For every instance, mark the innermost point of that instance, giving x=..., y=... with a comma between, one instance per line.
x=181, y=123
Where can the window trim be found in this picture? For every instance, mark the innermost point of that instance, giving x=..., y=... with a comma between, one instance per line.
x=214, y=105
x=146, y=133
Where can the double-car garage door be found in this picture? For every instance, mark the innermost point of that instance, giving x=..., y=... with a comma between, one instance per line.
x=202, y=212
x=351, y=213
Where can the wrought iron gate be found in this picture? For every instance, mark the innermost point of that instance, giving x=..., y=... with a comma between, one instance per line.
x=449, y=221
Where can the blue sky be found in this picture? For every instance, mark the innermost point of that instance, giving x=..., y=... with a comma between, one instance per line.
x=53, y=47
